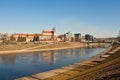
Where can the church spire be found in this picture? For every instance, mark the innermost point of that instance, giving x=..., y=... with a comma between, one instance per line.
x=54, y=29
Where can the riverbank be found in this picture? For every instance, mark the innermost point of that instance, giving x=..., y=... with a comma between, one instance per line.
x=45, y=47
x=74, y=70
x=109, y=69
x=106, y=68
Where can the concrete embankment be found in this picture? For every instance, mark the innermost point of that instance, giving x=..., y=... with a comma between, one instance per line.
x=47, y=47
x=98, y=58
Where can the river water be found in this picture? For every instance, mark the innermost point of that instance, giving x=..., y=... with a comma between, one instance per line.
x=14, y=66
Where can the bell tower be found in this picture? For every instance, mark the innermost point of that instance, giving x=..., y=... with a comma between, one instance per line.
x=54, y=33
x=54, y=29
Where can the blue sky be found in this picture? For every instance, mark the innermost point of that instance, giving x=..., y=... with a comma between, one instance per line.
x=100, y=18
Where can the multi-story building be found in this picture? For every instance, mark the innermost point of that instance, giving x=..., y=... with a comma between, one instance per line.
x=45, y=36
x=89, y=38
x=66, y=37
x=61, y=38
x=77, y=37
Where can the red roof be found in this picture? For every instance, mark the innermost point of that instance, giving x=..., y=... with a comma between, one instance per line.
x=47, y=31
x=40, y=34
x=19, y=34
x=30, y=34
x=44, y=31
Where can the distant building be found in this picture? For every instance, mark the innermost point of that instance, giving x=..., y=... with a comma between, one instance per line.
x=77, y=37
x=83, y=39
x=61, y=38
x=89, y=38
x=0, y=38
x=118, y=38
x=45, y=36
x=66, y=37
x=5, y=38
x=107, y=40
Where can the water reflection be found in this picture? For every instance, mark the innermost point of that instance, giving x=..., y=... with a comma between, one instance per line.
x=78, y=51
x=8, y=59
x=35, y=57
x=48, y=57
x=53, y=57
x=24, y=64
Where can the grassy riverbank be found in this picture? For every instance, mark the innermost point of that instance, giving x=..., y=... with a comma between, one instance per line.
x=5, y=49
x=62, y=45
x=38, y=46
x=41, y=46
x=109, y=69
x=17, y=46
x=106, y=70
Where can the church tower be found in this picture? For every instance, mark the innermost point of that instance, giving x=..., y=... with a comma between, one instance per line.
x=54, y=29
x=54, y=33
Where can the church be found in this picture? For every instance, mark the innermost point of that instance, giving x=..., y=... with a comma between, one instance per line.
x=45, y=36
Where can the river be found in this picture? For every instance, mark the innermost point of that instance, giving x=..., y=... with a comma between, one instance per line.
x=14, y=66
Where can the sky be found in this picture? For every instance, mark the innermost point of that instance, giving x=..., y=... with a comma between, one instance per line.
x=100, y=18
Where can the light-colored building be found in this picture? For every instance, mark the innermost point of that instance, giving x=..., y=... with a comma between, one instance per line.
x=66, y=37
x=45, y=36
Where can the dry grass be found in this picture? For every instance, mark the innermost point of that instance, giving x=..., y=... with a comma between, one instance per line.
x=109, y=69
x=60, y=45
x=16, y=47
x=30, y=45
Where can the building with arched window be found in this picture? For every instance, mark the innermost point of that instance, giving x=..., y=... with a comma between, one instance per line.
x=45, y=36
